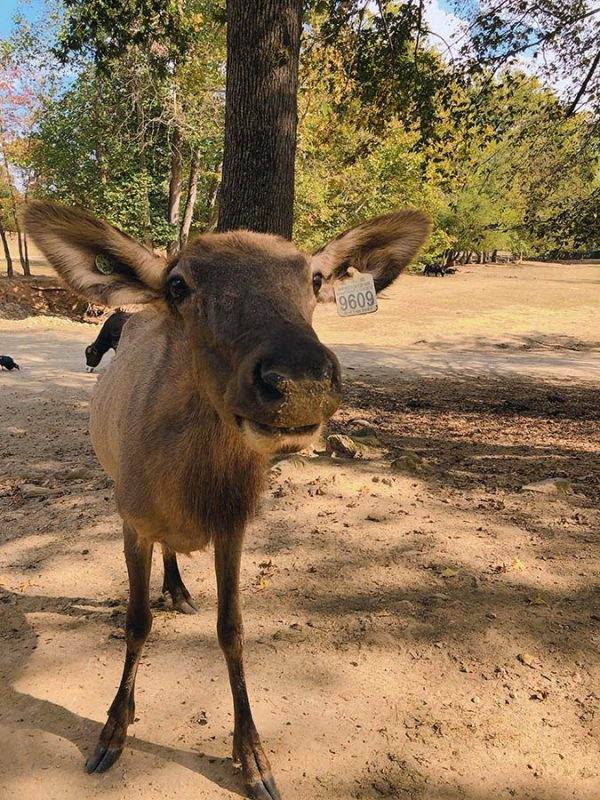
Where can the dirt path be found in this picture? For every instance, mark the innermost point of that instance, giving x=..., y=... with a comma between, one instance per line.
x=429, y=634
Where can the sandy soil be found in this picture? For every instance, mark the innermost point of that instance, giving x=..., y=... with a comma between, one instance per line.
x=429, y=633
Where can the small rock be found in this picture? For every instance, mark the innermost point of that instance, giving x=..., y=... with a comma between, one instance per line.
x=364, y=432
x=76, y=474
x=550, y=486
x=540, y=694
x=528, y=660
x=376, y=517
x=341, y=446
x=408, y=462
x=290, y=462
x=448, y=573
x=31, y=490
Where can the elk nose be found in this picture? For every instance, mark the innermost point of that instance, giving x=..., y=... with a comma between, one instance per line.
x=276, y=378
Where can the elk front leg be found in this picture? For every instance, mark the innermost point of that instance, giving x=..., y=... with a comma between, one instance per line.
x=174, y=585
x=247, y=748
x=138, y=555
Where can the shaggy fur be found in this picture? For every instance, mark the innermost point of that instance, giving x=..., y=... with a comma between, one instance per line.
x=222, y=372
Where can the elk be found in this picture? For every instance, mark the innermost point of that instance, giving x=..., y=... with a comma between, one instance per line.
x=220, y=373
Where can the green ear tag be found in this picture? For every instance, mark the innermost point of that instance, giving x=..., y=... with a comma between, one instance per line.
x=104, y=264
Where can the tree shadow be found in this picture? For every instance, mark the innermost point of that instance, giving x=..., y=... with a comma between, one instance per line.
x=82, y=732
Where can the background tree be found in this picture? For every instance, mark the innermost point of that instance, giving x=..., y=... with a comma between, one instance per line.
x=135, y=130
x=263, y=45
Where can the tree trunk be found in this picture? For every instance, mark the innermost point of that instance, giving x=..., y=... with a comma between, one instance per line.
x=20, y=244
x=175, y=185
x=99, y=145
x=212, y=197
x=263, y=45
x=7, y=256
x=190, y=200
x=141, y=131
x=26, y=265
x=15, y=212
x=494, y=256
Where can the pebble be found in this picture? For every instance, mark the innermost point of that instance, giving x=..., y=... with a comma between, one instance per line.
x=341, y=446
x=31, y=490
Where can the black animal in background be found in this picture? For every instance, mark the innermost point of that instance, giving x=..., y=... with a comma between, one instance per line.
x=6, y=362
x=434, y=270
x=108, y=338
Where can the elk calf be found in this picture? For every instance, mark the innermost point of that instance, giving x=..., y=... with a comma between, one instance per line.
x=222, y=372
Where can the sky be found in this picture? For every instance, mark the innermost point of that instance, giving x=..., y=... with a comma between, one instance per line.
x=28, y=8
x=439, y=16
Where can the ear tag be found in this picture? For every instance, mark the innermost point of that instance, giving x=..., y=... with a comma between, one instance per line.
x=356, y=295
x=104, y=264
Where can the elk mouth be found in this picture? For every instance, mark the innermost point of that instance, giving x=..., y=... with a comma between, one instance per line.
x=273, y=440
x=276, y=430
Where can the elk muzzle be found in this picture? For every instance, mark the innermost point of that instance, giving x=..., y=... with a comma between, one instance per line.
x=287, y=393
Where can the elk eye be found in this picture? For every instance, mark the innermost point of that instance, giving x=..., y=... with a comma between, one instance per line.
x=177, y=289
x=317, y=282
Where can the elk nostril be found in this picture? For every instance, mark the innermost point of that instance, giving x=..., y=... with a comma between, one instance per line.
x=270, y=382
x=272, y=378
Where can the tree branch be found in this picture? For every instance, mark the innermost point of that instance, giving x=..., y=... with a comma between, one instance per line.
x=584, y=85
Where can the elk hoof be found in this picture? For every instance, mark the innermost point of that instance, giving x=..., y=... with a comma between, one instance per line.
x=108, y=749
x=265, y=789
x=259, y=780
x=184, y=604
x=181, y=598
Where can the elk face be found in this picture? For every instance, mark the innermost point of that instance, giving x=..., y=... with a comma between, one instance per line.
x=244, y=304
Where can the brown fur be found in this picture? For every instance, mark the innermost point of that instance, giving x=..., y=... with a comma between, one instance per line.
x=206, y=384
x=383, y=245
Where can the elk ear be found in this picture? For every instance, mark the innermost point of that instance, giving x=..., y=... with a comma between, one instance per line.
x=383, y=246
x=98, y=261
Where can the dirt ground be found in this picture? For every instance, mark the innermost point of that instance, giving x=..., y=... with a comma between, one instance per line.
x=427, y=631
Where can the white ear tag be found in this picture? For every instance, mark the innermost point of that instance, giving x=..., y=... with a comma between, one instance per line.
x=356, y=295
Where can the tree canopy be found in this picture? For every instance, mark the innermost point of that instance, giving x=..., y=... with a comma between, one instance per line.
x=121, y=110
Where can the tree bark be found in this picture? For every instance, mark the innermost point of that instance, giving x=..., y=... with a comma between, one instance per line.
x=7, y=256
x=190, y=200
x=26, y=265
x=175, y=184
x=141, y=131
x=263, y=45
x=212, y=197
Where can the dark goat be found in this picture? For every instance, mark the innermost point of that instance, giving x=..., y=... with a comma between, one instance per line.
x=109, y=336
x=434, y=270
x=6, y=362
